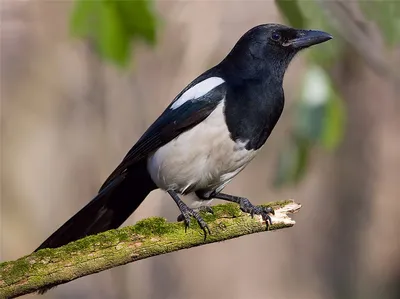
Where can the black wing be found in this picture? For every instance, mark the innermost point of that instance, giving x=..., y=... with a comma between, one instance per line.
x=169, y=125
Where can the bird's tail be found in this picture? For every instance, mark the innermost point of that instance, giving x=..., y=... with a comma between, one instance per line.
x=108, y=210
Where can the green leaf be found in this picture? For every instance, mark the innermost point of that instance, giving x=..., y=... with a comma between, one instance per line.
x=334, y=123
x=112, y=25
x=81, y=21
x=303, y=153
x=112, y=40
x=291, y=11
x=139, y=18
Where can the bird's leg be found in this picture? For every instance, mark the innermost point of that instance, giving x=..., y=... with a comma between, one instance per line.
x=247, y=207
x=187, y=212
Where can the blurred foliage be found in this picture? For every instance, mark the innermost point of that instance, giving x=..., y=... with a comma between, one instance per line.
x=112, y=26
x=319, y=120
x=386, y=14
x=325, y=54
x=292, y=161
x=319, y=114
x=292, y=12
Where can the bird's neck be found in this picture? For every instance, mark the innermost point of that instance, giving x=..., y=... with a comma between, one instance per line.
x=253, y=107
x=240, y=72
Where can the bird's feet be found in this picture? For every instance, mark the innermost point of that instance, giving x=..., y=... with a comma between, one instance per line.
x=188, y=212
x=247, y=207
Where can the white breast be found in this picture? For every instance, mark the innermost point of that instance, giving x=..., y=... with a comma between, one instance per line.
x=205, y=157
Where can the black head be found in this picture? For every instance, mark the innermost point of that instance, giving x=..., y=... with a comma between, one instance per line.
x=268, y=49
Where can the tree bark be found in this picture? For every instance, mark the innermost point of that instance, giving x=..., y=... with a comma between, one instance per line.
x=148, y=237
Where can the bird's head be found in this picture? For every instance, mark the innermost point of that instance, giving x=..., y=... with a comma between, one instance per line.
x=270, y=48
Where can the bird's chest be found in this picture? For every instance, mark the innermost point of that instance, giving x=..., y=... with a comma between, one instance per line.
x=203, y=157
x=252, y=113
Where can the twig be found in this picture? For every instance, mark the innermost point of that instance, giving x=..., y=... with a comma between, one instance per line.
x=148, y=237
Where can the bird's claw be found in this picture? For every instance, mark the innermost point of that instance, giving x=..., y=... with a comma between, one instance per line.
x=247, y=207
x=188, y=212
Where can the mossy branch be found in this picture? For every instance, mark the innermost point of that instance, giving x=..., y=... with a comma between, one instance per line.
x=148, y=237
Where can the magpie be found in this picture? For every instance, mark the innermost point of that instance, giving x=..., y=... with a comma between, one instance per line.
x=207, y=135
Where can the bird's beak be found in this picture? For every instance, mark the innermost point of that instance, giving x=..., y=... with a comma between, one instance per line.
x=307, y=38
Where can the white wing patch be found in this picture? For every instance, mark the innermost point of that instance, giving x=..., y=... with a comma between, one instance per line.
x=197, y=91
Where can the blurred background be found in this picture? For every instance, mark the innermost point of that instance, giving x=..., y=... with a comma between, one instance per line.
x=82, y=80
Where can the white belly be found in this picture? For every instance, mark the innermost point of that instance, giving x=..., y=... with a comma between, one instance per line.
x=204, y=157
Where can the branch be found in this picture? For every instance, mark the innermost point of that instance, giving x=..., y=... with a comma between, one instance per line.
x=148, y=237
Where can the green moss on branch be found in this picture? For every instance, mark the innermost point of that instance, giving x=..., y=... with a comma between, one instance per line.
x=148, y=237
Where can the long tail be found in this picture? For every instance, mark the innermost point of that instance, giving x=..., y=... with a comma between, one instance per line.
x=108, y=210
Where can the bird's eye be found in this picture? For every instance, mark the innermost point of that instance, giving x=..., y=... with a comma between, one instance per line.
x=276, y=36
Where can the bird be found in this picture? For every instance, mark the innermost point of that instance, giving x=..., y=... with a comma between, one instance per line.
x=204, y=138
